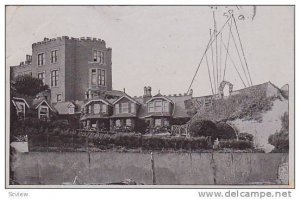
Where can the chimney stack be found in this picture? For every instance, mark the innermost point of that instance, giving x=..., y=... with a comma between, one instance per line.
x=147, y=94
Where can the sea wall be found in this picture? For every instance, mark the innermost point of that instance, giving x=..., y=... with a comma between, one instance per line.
x=54, y=168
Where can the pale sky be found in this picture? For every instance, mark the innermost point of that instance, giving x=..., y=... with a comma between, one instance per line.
x=161, y=46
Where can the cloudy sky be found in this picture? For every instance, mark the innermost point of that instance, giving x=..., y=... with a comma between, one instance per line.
x=161, y=46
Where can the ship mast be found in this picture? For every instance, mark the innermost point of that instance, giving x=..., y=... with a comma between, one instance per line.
x=216, y=47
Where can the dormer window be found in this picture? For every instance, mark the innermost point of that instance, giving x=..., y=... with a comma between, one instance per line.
x=104, y=108
x=21, y=110
x=158, y=106
x=151, y=107
x=124, y=107
x=96, y=108
x=71, y=110
x=43, y=112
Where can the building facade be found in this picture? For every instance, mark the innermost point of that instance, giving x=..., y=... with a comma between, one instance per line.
x=73, y=68
x=124, y=113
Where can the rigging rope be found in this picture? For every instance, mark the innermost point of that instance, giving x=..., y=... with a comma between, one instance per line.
x=237, y=50
x=228, y=42
x=205, y=53
x=211, y=86
x=242, y=49
x=213, y=63
x=234, y=65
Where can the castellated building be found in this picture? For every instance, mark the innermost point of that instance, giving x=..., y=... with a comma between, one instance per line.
x=73, y=68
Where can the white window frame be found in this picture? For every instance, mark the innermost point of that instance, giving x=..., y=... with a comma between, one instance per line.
x=44, y=76
x=117, y=109
x=166, y=107
x=98, y=109
x=118, y=123
x=59, y=94
x=47, y=114
x=23, y=105
x=132, y=108
x=98, y=56
x=100, y=77
x=160, y=102
x=151, y=107
x=43, y=61
x=55, y=57
x=57, y=78
x=156, y=122
x=93, y=81
x=125, y=107
x=71, y=110
x=128, y=122
x=103, y=108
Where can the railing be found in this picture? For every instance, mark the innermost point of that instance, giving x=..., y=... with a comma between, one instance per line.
x=180, y=130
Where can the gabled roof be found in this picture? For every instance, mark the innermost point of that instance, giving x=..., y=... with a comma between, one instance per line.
x=37, y=103
x=19, y=99
x=63, y=107
x=159, y=96
x=127, y=97
x=97, y=100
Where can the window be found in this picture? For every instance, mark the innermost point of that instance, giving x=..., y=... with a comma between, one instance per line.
x=41, y=76
x=71, y=110
x=98, y=56
x=41, y=59
x=166, y=106
x=54, y=56
x=166, y=123
x=54, y=78
x=118, y=123
x=158, y=106
x=20, y=110
x=150, y=107
x=132, y=108
x=104, y=108
x=101, y=77
x=28, y=73
x=58, y=97
x=124, y=107
x=128, y=122
x=89, y=109
x=43, y=112
x=207, y=102
x=157, y=122
x=117, y=109
x=93, y=77
x=96, y=108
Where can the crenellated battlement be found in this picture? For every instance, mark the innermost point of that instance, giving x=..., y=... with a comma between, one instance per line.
x=66, y=38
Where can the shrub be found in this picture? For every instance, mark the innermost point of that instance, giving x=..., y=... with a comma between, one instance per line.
x=225, y=131
x=245, y=136
x=280, y=140
x=204, y=128
x=236, y=144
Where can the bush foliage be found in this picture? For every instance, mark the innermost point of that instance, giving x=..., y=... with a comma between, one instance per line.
x=220, y=130
x=280, y=140
x=236, y=144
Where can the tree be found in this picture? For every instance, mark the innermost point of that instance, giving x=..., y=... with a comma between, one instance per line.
x=280, y=140
x=28, y=85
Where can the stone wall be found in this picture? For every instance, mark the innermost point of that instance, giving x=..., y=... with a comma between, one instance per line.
x=54, y=168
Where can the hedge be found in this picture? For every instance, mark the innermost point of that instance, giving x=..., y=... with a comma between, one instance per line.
x=151, y=142
x=236, y=144
x=133, y=141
